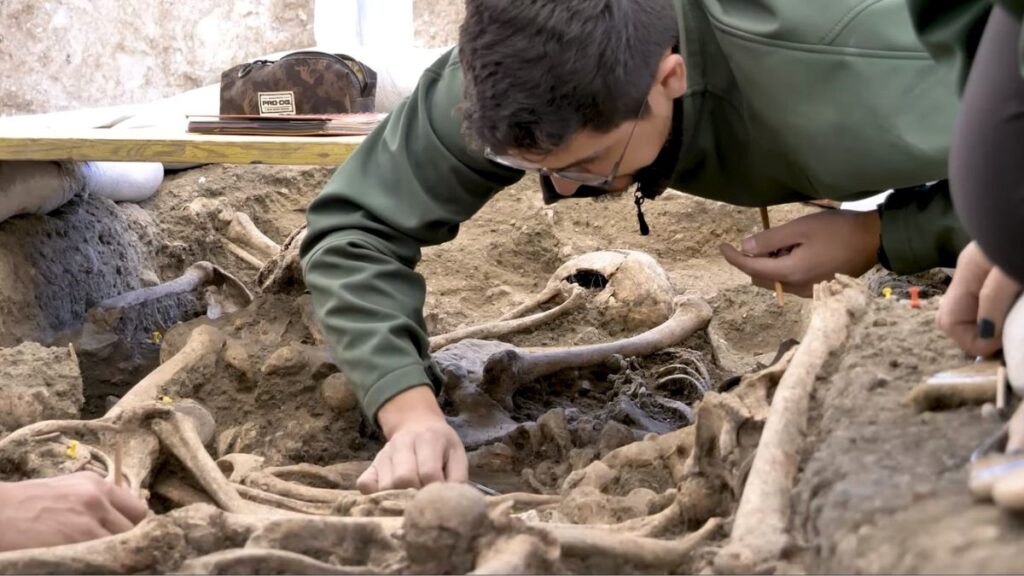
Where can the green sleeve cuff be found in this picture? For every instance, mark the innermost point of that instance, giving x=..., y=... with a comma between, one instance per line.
x=900, y=253
x=920, y=229
x=394, y=384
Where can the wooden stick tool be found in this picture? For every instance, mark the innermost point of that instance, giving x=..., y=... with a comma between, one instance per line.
x=766, y=224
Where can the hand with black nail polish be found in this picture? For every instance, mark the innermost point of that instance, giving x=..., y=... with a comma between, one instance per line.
x=974, y=308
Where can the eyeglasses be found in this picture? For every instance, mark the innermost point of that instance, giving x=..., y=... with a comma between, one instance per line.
x=582, y=178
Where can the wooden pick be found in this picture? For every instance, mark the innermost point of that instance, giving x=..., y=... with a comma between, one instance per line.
x=766, y=224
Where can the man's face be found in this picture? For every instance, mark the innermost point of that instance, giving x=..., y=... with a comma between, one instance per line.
x=637, y=142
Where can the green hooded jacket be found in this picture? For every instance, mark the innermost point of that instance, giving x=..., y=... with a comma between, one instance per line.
x=787, y=101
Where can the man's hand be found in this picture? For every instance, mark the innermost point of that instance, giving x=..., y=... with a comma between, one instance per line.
x=974, y=308
x=65, y=510
x=422, y=448
x=809, y=250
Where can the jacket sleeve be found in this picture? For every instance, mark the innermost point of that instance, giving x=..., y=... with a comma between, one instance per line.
x=920, y=229
x=410, y=184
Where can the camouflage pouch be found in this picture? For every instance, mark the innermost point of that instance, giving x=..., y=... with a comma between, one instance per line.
x=301, y=83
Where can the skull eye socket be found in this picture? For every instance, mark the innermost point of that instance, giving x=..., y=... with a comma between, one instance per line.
x=589, y=279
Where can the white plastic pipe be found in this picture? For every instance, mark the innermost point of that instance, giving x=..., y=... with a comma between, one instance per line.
x=123, y=181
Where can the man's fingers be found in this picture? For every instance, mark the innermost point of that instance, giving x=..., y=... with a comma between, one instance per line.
x=760, y=267
x=368, y=482
x=127, y=505
x=997, y=296
x=456, y=466
x=404, y=468
x=774, y=239
x=114, y=522
x=430, y=459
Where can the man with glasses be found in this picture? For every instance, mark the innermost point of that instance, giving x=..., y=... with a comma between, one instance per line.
x=751, y=102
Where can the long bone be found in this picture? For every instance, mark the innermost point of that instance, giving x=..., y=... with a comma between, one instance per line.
x=283, y=487
x=584, y=542
x=264, y=561
x=198, y=275
x=156, y=543
x=761, y=527
x=481, y=377
x=504, y=372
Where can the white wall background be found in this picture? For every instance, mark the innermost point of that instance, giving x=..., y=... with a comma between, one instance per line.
x=61, y=55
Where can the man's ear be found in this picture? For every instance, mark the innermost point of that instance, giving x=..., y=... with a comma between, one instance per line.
x=671, y=76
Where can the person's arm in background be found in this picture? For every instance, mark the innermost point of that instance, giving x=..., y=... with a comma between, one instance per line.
x=409, y=185
x=978, y=38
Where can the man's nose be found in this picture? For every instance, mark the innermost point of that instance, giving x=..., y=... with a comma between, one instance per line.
x=564, y=187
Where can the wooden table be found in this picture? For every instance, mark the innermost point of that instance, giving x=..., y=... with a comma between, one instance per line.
x=145, y=145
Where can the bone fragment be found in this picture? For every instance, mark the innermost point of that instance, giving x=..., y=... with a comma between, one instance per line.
x=242, y=231
x=242, y=254
x=518, y=554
